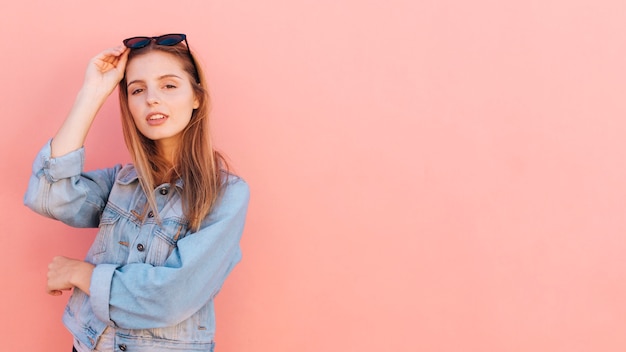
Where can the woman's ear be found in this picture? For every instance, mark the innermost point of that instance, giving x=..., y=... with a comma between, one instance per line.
x=196, y=103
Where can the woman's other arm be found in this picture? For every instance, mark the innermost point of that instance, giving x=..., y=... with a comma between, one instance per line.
x=65, y=273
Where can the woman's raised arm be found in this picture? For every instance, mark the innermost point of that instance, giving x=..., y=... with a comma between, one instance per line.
x=103, y=74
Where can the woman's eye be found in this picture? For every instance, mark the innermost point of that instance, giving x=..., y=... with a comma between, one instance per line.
x=136, y=91
x=170, y=86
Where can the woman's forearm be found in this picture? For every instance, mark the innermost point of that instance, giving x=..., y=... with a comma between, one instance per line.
x=71, y=136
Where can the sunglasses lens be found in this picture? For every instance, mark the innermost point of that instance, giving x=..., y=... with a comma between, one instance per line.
x=170, y=39
x=137, y=42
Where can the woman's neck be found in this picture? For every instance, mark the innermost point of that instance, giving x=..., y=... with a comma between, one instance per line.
x=167, y=151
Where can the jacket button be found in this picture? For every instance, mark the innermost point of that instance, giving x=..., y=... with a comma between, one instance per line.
x=163, y=191
x=150, y=214
x=140, y=247
x=122, y=347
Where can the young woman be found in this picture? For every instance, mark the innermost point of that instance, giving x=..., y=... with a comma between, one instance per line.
x=169, y=224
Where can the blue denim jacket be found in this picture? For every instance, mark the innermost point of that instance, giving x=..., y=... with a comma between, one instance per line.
x=154, y=283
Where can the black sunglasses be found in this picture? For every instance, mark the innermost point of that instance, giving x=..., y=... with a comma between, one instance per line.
x=166, y=40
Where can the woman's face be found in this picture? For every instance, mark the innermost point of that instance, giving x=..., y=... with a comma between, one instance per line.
x=160, y=97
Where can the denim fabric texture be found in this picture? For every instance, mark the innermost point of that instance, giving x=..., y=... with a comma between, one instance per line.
x=154, y=281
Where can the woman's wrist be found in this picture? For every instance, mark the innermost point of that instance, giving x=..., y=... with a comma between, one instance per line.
x=92, y=94
x=81, y=276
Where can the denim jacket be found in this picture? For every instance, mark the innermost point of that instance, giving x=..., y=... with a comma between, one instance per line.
x=154, y=282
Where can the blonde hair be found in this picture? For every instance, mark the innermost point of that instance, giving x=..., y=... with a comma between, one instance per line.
x=196, y=163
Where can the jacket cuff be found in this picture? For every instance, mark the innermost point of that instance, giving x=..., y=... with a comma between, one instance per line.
x=65, y=166
x=100, y=290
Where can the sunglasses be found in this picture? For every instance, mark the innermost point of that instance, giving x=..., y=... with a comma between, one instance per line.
x=165, y=40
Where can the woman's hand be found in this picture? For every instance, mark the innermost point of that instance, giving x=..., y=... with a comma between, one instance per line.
x=65, y=274
x=106, y=70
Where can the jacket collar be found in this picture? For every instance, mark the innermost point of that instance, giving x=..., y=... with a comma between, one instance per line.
x=128, y=175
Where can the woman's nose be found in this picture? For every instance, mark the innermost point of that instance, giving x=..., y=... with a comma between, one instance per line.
x=152, y=98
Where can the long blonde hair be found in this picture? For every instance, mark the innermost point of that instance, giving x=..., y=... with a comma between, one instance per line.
x=197, y=163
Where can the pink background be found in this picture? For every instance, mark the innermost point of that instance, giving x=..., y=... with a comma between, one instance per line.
x=439, y=175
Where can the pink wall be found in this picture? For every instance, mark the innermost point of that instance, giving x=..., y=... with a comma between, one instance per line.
x=438, y=175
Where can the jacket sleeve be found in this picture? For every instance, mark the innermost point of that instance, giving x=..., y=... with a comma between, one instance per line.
x=143, y=296
x=59, y=189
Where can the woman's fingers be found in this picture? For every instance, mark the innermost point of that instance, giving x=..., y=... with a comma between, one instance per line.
x=65, y=273
x=111, y=59
x=59, y=273
x=106, y=69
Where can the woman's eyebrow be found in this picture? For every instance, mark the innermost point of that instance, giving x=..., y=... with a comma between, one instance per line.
x=169, y=75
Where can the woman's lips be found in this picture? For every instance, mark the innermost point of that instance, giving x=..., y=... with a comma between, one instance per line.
x=155, y=119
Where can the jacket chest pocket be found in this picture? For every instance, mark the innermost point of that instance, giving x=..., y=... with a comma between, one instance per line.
x=164, y=241
x=100, y=245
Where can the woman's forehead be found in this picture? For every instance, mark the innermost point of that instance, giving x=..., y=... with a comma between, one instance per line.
x=153, y=64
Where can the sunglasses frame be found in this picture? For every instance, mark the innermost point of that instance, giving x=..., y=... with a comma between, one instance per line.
x=159, y=40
